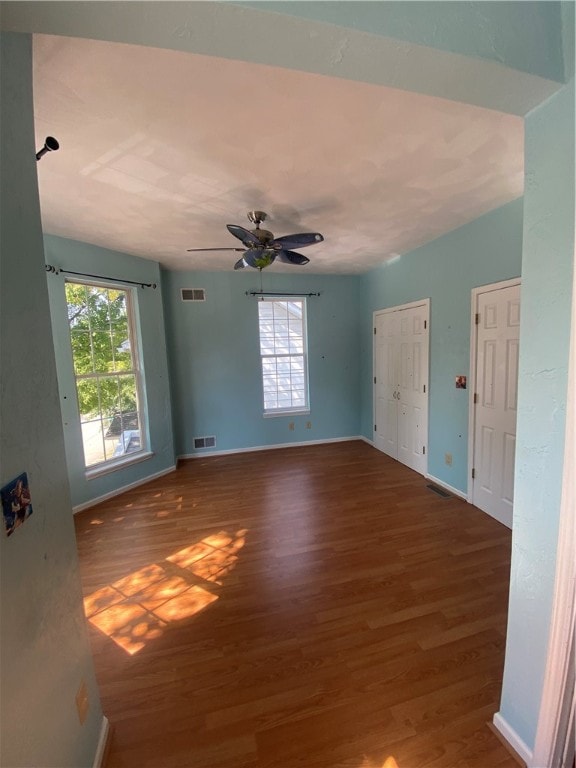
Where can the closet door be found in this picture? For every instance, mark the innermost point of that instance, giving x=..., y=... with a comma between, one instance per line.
x=412, y=386
x=496, y=394
x=401, y=383
x=386, y=358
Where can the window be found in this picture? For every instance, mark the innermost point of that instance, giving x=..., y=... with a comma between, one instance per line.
x=284, y=355
x=107, y=371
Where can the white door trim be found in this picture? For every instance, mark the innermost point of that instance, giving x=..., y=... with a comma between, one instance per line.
x=476, y=292
x=410, y=305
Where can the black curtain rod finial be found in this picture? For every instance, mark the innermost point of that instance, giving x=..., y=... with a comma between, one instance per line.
x=50, y=145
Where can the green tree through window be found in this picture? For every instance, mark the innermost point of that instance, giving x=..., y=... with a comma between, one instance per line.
x=106, y=369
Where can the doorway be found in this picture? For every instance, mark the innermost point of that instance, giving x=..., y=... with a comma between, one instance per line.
x=493, y=405
x=401, y=353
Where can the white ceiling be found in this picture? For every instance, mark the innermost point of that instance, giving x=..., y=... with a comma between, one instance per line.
x=160, y=149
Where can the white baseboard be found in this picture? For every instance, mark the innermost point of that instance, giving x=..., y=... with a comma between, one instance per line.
x=123, y=489
x=105, y=734
x=203, y=453
x=449, y=488
x=510, y=735
x=367, y=440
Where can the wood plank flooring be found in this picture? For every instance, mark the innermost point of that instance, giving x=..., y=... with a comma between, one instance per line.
x=311, y=607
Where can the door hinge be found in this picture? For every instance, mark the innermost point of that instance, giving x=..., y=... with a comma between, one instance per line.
x=424, y=388
x=374, y=379
x=425, y=324
x=374, y=427
x=475, y=398
x=424, y=450
x=477, y=319
x=374, y=331
x=473, y=474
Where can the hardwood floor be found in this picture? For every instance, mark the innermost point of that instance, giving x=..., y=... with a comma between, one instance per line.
x=316, y=607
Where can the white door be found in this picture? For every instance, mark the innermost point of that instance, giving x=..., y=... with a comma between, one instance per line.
x=495, y=401
x=386, y=346
x=400, y=384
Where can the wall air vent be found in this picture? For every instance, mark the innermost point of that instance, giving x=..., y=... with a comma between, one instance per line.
x=204, y=442
x=193, y=294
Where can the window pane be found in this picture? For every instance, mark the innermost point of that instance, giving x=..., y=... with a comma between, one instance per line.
x=88, y=391
x=270, y=402
x=107, y=375
x=267, y=343
x=82, y=351
x=77, y=300
x=280, y=310
x=102, y=352
x=128, y=399
x=282, y=347
x=93, y=442
x=109, y=395
x=122, y=354
x=110, y=437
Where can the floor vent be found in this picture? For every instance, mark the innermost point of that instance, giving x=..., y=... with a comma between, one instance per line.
x=193, y=294
x=204, y=442
x=439, y=491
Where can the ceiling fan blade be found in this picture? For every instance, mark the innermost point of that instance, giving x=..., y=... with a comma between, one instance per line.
x=298, y=241
x=259, y=258
x=291, y=257
x=243, y=234
x=240, y=264
x=197, y=250
x=190, y=250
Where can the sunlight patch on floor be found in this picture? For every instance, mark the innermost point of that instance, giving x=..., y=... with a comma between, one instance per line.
x=390, y=762
x=212, y=558
x=138, y=607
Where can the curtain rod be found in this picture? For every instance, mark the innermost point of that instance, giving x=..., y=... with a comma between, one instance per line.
x=58, y=271
x=278, y=293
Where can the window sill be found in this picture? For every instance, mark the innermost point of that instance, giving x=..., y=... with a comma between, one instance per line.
x=276, y=414
x=112, y=466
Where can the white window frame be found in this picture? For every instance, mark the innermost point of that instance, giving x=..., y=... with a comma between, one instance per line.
x=114, y=463
x=299, y=409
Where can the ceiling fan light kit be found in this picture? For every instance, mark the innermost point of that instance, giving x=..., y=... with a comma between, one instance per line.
x=262, y=248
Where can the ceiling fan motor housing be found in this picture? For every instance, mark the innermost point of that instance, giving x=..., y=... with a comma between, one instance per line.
x=263, y=235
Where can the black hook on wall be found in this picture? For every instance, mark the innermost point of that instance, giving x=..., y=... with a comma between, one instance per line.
x=50, y=145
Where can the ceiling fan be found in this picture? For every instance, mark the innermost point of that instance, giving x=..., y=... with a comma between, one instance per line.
x=261, y=248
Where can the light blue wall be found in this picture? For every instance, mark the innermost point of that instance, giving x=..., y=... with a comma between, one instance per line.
x=45, y=651
x=548, y=151
x=82, y=257
x=485, y=251
x=215, y=366
x=521, y=35
x=547, y=265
